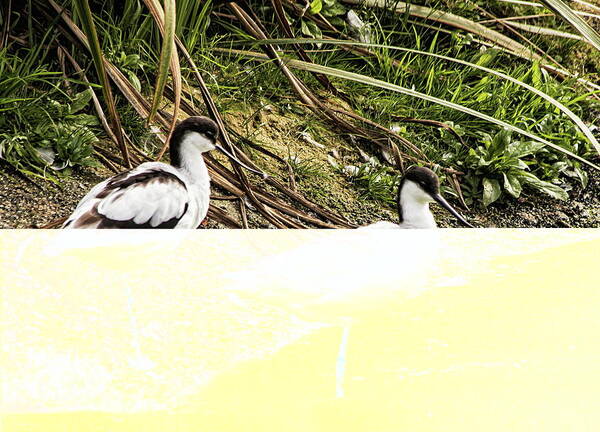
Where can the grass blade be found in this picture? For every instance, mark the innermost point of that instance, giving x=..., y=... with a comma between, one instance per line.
x=544, y=31
x=85, y=15
x=578, y=23
x=521, y=3
x=166, y=53
x=338, y=73
x=159, y=17
x=588, y=5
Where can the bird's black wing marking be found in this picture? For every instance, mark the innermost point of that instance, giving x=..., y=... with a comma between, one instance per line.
x=123, y=181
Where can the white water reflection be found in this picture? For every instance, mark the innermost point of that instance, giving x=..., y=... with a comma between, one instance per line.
x=143, y=323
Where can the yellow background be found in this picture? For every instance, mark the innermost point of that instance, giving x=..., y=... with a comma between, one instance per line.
x=465, y=330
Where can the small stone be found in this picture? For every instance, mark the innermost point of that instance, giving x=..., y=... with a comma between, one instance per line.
x=527, y=217
x=387, y=155
x=562, y=216
x=351, y=170
x=332, y=161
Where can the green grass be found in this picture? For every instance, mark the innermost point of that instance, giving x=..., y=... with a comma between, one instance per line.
x=307, y=169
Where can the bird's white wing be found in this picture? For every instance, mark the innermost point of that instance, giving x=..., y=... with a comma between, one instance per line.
x=150, y=196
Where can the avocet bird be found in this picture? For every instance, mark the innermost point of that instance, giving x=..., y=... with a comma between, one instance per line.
x=155, y=194
x=419, y=187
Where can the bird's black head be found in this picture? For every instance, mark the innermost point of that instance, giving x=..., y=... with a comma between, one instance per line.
x=201, y=125
x=427, y=189
x=424, y=178
x=204, y=129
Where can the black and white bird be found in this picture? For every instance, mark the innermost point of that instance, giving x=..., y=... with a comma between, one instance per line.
x=419, y=187
x=156, y=194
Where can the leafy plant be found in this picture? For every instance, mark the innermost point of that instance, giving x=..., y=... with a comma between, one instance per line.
x=332, y=9
x=422, y=66
x=502, y=165
x=48, y=136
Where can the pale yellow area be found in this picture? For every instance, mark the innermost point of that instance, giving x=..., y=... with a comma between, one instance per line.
x=455, y=330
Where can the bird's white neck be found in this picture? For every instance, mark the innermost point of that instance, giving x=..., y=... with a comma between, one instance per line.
x=414, y=203
x=191, y=160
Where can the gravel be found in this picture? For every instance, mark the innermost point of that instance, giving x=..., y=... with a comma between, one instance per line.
x=32, y=204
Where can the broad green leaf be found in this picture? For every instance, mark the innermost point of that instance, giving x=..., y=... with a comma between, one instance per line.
x=309, y=28
x=81, y=101
x=491, y=191
x=512, y=185
x=548, y=188
x=337, y=21
x=315, y=7
x=521, y=149
x=132, y=60
x=304, y=28
x=134, y=80
x=500, y=143
x=335, y=10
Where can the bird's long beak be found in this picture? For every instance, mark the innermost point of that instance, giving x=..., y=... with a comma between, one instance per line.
x=239, y=162
x=441, y=201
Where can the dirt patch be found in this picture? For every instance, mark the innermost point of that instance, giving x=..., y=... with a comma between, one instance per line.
x=309, y=152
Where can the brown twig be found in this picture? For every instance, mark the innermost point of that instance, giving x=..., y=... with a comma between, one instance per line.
x=243, y=213
x=54, y=223
x=288, y=32
x=434, y=123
